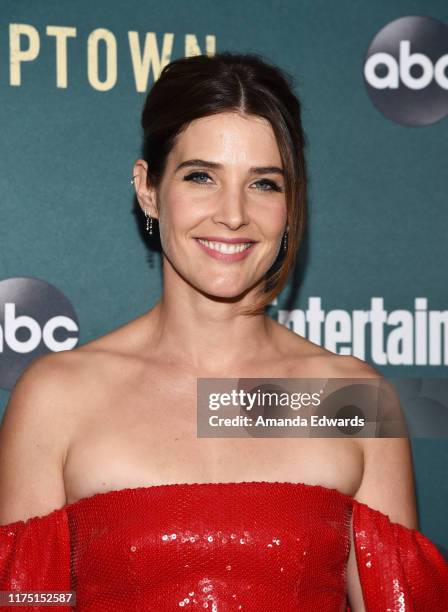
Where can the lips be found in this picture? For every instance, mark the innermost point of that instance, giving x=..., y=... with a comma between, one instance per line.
x=229, y=250
x=239, y=240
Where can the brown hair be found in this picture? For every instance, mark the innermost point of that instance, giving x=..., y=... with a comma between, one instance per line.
x=199, y=86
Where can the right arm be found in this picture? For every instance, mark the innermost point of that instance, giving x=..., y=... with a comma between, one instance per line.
x=34, y=438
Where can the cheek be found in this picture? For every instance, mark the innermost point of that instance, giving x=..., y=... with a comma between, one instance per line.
x=179, y=213
x=270, y=211
x=282, y=210
x=275, y=222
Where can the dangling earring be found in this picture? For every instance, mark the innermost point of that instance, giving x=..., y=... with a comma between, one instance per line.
x=285, y=241
x=148, y=223
x=148, y=217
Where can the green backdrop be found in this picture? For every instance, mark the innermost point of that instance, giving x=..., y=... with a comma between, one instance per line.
x=378, y=213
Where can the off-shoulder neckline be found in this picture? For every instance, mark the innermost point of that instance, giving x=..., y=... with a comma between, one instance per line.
x=191, y=485
x=105, y=495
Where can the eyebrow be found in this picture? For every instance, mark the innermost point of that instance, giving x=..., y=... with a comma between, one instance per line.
x=214, y=165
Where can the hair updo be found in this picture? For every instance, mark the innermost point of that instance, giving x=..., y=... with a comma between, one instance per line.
x=202, y=85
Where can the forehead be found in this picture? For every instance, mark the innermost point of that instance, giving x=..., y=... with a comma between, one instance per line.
x=228, y=138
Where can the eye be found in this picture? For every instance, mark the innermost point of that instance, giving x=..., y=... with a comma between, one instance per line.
x=271, y=184
x=195, y=175
x=198, y=177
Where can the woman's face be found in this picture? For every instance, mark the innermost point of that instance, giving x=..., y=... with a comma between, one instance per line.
x=222, y=207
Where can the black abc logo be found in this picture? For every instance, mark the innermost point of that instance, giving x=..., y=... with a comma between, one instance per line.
x=35, y=318
x=406, y=70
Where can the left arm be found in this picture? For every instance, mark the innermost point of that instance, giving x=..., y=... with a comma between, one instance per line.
x=388, y=486
x=387, y=483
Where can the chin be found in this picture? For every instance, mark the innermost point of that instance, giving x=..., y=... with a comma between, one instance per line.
x=228, y=291
x=223, y=295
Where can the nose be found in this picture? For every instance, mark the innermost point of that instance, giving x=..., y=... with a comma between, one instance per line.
x=231, y=208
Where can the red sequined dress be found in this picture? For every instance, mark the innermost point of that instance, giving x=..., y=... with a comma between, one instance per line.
x=221, y=547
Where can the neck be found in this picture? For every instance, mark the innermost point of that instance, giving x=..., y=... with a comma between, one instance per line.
x=207, y=334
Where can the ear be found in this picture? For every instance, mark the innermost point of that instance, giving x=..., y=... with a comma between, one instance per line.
x=146, y=194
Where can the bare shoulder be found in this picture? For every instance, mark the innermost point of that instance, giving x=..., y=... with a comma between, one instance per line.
x=49, y=382
x=56, y=382
x=315, y=360
x=34, y=436
x=46, y=408
x=42, y=386
x=344, y=366
x=309, y=360
x=388, y=481
x=388, y=466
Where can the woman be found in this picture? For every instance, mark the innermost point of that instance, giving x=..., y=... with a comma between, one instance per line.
x=102, y=475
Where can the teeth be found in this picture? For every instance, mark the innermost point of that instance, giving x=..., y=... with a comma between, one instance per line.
x=224, y=247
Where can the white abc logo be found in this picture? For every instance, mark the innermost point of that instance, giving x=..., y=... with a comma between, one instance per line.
x=12, y=323
x=402, y=69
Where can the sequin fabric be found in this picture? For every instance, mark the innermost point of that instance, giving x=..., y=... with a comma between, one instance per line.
x=221, y=547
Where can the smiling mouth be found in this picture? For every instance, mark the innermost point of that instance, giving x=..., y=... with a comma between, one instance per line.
x=225, y=247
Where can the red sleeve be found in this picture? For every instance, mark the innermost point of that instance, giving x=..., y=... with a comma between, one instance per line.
x=399, y=568
x=35, y=556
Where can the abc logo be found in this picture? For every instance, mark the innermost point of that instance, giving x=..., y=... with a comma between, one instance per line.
x=35, y=318
x=406, y=70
